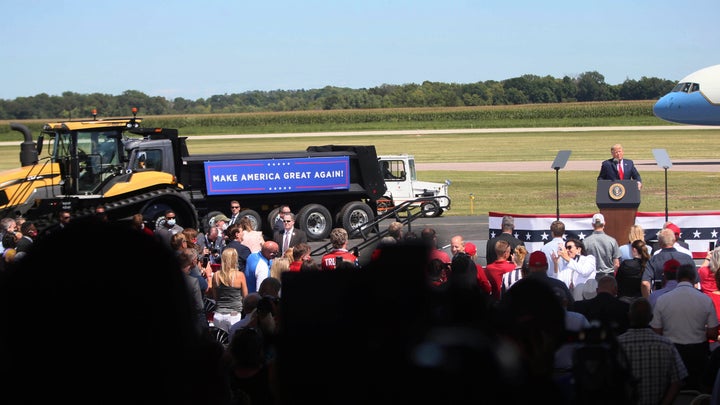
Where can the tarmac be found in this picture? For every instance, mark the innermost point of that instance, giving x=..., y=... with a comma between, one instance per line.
x=686, y=165
x=473, y=228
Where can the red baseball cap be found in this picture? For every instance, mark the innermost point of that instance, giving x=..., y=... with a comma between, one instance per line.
x=538, y=259
x=470, y=249
x=671, y=266
x=673, y=228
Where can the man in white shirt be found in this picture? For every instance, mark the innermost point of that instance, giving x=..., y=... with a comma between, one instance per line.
x=557, y=231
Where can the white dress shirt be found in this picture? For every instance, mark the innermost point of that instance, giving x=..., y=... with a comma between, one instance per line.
x=576, y=271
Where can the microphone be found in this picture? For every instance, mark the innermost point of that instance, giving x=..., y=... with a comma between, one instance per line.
x=616, y=161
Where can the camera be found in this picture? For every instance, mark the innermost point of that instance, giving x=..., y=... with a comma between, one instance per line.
x=267, y=305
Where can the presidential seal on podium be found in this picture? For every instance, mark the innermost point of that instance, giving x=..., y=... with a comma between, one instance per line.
x=617, y=191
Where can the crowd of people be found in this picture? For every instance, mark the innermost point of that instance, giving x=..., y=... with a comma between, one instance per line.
x=577, y=321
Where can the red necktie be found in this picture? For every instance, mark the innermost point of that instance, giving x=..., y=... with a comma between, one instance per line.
x=620, y=171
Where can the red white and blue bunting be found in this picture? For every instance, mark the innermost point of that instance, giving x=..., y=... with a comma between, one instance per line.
x=697, y=228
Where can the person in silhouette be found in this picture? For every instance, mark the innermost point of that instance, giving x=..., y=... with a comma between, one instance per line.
x=123, y=323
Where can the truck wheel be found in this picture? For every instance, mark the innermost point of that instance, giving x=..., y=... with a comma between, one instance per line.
x=154, y=212
x=254, y=217
x=384, y=204
x=207, y=221
x=354, y=215
x=315, y=220
x=430, y=209
x=271, y=217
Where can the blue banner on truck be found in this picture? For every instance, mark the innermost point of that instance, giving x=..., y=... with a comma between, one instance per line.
x=277, y=175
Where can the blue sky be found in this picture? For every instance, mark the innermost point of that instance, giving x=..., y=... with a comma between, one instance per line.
x=196, y=49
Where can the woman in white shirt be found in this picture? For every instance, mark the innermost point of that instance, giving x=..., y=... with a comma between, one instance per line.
x=574, y=266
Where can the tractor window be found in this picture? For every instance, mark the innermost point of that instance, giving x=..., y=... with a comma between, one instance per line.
x=97, y=157
x=60, y=148
x=141, y=161
x=88, y=163
x=150, y=159
x=107, y=149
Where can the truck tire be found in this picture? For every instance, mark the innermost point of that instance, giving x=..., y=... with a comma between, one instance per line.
x=271, y=217
x=254, y=217
x=207, y=221
x=154, y=211
x=384, y=204
x=430, y=209
x=355, y=214
x=315, y=220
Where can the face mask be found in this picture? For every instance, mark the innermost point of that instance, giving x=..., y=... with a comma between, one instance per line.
x=170, y=222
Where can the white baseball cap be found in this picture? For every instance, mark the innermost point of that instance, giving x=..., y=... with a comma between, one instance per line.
x=598, y=219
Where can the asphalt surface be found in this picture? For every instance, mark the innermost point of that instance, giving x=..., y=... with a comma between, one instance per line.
x=474, y=229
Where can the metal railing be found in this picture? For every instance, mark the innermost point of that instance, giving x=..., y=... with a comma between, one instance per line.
x=405, y=213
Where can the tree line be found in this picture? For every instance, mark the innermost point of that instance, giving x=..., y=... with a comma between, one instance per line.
x=526, y=89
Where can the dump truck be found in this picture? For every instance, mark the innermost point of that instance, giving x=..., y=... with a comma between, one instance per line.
x=128, y=169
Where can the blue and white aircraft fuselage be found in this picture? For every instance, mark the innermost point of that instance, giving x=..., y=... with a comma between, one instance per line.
x=694, y=100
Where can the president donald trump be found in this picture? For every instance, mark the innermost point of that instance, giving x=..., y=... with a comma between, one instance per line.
x=618, y=168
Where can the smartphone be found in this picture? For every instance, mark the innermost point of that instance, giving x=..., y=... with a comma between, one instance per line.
x=712, y=245
x=205, y=261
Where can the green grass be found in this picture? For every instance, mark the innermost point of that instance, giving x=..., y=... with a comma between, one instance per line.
x=506, y=116
x=513, y=192
x=477, y=193
x=533, y=192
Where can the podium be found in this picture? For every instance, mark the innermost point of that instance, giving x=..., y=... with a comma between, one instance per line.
x=618, y=201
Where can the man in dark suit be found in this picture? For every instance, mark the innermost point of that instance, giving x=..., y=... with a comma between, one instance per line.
x=618, y=168
x=289, y=236
x=606, y=307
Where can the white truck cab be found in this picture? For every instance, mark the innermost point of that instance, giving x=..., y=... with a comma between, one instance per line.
x=403, y=185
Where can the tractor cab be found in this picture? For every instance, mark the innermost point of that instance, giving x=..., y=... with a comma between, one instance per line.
x=87, y=152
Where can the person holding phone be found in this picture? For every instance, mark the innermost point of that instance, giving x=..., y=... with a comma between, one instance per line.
x=708, y=269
